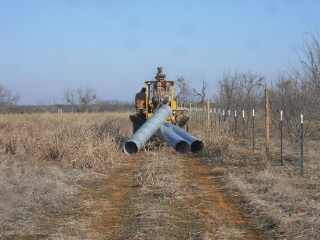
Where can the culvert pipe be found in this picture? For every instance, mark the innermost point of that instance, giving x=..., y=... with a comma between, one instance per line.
x=175, y=141
x=136, y=142
x=195, y=143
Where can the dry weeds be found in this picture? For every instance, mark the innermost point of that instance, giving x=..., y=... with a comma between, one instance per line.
x=160, y=174
x=285, y=211
x=279, y=202
x=81, y=140
x=40, y=153
x=160, y=185
x=50, y=146
x=28, y=190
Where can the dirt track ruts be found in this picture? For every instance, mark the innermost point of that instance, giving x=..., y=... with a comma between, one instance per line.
x=204, y=211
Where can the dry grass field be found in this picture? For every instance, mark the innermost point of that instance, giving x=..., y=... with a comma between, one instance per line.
x=66, y=177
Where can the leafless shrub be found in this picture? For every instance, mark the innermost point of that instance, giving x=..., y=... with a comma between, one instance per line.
x=220, y=145
x=216, y=146
x=80, y=98
x=7, y=97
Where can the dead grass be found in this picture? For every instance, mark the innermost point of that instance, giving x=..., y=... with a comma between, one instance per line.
x=40, y=153
x=218, y=146
x=280, y=203
x=287, y=212
x=160, y=184
x=160, y=176
x=28, y=190
x=81, y=140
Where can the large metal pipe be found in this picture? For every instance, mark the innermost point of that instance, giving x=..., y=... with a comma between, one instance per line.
x=145, y=132
x=177, y=142
x=195, y=143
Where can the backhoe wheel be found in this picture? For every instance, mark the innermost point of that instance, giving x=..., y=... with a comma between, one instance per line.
x=137, y=121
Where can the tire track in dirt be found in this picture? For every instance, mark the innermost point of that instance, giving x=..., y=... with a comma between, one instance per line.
x=118, y=191
x=217, y=210
x=100, y=209
x=199, y=210
x=121, y=207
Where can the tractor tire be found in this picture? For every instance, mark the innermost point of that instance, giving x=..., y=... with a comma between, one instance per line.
x=137, y=121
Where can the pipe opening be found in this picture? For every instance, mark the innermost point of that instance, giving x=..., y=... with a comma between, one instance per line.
x=197, y=146
x=182, y=147
x=130, y=148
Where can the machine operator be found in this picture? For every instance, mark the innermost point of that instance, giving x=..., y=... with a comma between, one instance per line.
x=141, y=101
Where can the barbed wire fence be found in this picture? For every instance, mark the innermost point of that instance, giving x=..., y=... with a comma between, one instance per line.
x=250, y=129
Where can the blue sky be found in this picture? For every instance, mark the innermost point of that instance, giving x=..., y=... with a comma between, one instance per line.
x=47, y=46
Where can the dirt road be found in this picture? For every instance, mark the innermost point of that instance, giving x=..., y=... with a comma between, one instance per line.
x=153, y=195
x=162, y=195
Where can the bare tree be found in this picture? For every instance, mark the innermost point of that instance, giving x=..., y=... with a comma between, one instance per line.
x=202, y=93
x=240, y=91
x=7, y=97
x=309, y=73
x=185, y=92
x=80, y=98
x=309, y=56
x=288, y=94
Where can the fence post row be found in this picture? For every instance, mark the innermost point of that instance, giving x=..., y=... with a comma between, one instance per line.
x=213, y=121
x=198, y=115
